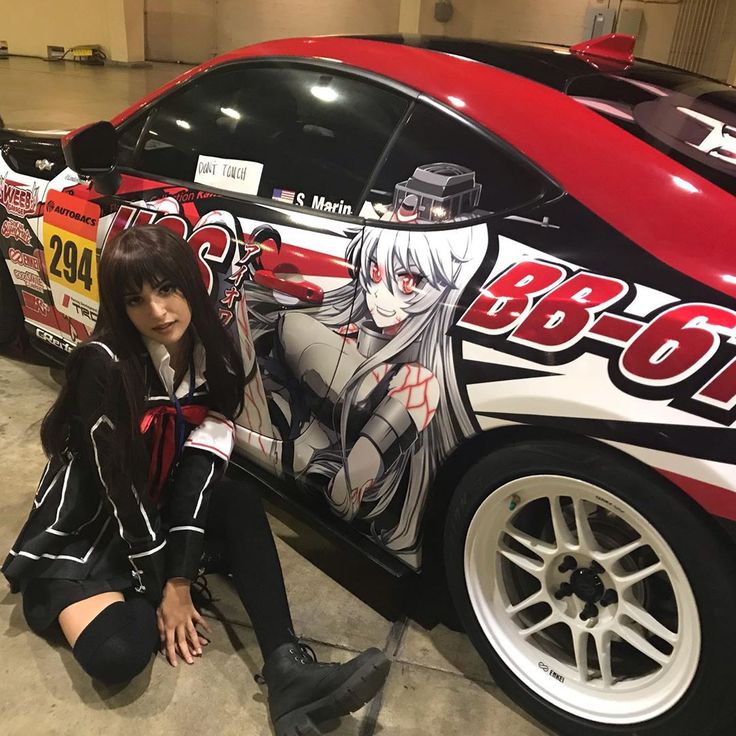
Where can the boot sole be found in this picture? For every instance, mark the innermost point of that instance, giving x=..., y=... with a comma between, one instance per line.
x=352, y=695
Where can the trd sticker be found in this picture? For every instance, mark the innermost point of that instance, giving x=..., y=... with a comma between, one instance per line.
x=683, y=352
x=15, y=230
x=83, y=313
x=18, y=199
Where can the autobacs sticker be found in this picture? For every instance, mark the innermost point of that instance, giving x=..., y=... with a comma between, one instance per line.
x=70, y=235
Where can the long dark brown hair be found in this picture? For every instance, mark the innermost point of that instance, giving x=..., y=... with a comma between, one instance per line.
x=151, y=254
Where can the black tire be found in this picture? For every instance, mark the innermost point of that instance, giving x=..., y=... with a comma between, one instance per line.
x=12, y=332
x=705, y=555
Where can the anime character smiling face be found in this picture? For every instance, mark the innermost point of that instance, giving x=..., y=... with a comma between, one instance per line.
x=390, y=293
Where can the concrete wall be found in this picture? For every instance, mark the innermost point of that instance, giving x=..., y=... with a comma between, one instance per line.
x=657, y=28
x=240, y=23
x=116, y=25
x=180, y=30
x=194, y=30
x=550, y=21
x=720, y=55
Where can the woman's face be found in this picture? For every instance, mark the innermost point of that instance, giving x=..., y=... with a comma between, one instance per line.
x=387, y=304
x=160, y=313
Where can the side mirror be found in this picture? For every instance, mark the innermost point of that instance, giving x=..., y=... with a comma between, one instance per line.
x=91, y=151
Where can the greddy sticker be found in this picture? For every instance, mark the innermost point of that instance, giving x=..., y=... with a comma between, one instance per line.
x=69, y=239
x=230, y=174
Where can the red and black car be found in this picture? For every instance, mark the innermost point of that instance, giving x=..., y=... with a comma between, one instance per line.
x=486, y=295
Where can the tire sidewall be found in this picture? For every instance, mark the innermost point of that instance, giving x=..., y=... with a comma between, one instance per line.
x=707, y=560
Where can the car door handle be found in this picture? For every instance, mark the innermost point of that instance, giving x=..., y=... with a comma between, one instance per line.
x=305, y=291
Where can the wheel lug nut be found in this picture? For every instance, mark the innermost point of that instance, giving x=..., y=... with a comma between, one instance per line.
x=564, y=591
x=568, y=563
x=609, y=597
x=596, y=568
x=590, y=611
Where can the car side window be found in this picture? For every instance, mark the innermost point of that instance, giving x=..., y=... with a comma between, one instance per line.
x=440, y=168
x=307, y=137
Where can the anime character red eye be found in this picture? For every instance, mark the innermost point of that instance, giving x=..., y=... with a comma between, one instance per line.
x=408, y=282
x=376, y=276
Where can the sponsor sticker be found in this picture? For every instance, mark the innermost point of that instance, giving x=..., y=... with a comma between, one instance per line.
x=35, y=305
x=53, y=340
x=231, y=174
x=69, y=240
x=15, y=230
x=18, y=198
x=28, y=277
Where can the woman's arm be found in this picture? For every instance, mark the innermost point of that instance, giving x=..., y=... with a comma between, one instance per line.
x=100, y=409
x=204, y=459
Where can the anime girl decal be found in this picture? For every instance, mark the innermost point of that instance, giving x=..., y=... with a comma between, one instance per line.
x=362, y=388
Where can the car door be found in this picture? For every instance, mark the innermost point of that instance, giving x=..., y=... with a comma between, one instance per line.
x=435, y=213
x=262, y=169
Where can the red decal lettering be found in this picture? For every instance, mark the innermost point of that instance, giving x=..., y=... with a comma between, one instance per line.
x=721, y=390
x=615, y=329
x=211, y=243
x=177, y=225
x=564, y=315
x=676, y=343
x=123, y=219
x=505, y=302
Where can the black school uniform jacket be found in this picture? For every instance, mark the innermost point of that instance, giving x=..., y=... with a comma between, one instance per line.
x=88, y=520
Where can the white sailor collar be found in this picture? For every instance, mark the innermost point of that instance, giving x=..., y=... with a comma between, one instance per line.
x=161, y=359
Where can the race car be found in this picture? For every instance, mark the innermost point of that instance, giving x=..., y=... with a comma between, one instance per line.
x=486, y=298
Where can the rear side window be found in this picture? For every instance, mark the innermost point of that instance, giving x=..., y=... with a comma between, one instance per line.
x=440, y=168
x=690, y=119
x=312, y=137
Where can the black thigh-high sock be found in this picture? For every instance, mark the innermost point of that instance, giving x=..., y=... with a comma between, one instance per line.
x=236, y=516
x=118, y=643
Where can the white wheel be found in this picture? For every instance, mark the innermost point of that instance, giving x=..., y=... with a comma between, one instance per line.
x=601, y=598
x=572, y=598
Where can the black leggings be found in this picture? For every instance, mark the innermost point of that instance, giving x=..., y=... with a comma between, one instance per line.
x=118, y=643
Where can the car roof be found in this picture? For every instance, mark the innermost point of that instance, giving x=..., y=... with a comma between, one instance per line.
x=553, y=65
x=617, y=176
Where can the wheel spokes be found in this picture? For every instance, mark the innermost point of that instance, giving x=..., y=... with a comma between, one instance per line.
x=533, y=567
x=636, y=640
x=563, y=535
x=541, y=596
x=602, y=641
x=533, y=544
x=645, y=619
x=586, y=539
x=626, y=581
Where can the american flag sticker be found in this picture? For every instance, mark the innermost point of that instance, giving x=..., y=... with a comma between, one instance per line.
x=284, y=195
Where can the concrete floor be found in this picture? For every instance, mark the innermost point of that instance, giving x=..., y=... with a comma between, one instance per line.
x=437, y=683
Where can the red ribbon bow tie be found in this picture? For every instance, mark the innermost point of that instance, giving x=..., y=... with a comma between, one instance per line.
x=163, y=454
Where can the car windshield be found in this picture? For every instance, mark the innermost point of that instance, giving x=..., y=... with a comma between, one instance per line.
x=691, y=119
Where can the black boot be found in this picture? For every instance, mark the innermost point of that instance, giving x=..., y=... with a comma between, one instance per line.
x=302, y=693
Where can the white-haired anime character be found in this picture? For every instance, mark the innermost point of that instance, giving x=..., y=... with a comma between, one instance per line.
x=374, y=366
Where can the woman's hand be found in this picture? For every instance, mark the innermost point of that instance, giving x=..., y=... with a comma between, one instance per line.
x=177, y=619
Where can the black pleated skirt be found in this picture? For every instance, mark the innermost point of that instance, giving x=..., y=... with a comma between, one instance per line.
x=45, y=598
